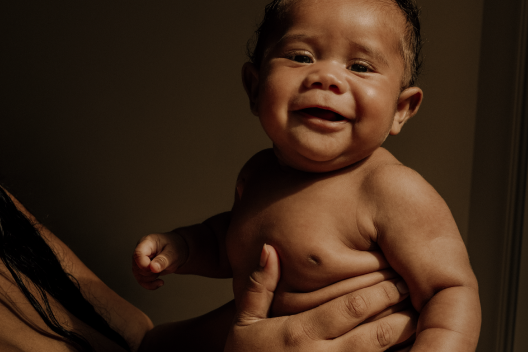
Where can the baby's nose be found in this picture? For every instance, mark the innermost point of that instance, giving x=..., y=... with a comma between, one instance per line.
x=326, y=76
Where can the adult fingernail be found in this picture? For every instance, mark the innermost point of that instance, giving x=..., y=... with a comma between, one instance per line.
x=264, y=256
x=402, y=287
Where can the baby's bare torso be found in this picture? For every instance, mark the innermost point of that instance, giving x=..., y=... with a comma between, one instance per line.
x=316, y=222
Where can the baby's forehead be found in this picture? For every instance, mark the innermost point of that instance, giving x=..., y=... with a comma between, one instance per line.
x=346, y=17
x=383, y=7
x=387, y=14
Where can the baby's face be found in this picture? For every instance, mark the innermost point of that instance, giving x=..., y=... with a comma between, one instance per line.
x=328, y=90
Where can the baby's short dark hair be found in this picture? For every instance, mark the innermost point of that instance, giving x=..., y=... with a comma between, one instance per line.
x=411, y=46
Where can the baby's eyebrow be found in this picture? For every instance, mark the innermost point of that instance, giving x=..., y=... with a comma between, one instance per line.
x=295, y=37
x=377, y=55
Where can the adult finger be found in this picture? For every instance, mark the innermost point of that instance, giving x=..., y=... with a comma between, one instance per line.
x=288, y=303
x=254, y=303
x=337, y=317
x=379, y=335
x=404, y=349
x=403, y=305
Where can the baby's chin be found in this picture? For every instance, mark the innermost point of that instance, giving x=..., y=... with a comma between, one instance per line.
x=315, y=163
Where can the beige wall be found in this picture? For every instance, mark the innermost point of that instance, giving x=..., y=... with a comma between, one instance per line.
x=499, y=161
x=118, y=120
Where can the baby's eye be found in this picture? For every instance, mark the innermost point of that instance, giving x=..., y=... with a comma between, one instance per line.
x=359, y=68
x=303, y=59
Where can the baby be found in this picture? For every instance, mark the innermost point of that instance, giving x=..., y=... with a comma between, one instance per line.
x=329, y=81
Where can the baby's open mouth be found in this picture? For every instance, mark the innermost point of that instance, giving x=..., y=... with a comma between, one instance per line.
x=323, y=114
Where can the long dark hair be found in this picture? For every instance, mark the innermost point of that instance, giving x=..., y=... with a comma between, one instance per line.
x=25, y=252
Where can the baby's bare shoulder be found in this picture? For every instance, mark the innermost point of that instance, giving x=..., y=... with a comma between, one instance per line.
x=391, y=179
x=404, y=205
x=387, y=177
x=393, y=189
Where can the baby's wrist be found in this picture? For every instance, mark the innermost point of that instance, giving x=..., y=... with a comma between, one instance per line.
x=180, y=246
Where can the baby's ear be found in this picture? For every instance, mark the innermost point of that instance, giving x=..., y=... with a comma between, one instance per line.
x=408, y=105
x=250, y=80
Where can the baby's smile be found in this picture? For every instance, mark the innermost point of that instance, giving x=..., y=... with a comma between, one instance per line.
x=327, y=90
x=322, y=113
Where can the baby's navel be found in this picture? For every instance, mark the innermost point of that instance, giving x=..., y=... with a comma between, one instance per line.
x=313, y=259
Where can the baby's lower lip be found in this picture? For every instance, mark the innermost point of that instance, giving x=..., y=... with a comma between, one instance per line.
x=322, y=114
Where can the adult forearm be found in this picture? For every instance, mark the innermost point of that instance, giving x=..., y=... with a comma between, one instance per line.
x=205, y=333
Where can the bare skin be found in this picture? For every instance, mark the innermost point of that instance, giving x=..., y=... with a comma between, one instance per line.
x=328, y=198
x=372, y=318
x=325, y=328
x=21, y=329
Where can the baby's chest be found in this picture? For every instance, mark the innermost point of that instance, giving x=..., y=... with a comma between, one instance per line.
x=318, y=230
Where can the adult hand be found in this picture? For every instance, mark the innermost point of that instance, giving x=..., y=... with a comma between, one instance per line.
x=332, y=326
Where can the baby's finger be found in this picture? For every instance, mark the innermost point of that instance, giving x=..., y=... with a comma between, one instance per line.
x=162, y=261
x=146, y=278
x=144, y=250
x=152, y=285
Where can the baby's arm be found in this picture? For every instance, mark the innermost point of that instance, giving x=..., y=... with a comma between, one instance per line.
x=198, y=249
x=418, y=235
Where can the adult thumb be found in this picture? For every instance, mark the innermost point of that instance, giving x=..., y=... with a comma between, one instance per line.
x=255, y=302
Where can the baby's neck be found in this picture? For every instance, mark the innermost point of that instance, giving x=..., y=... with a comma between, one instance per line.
x=285, y=166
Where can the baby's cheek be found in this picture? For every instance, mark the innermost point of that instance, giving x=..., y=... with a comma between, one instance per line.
x=377, y=95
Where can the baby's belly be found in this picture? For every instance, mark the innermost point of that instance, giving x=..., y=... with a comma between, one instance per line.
x=315, y=252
